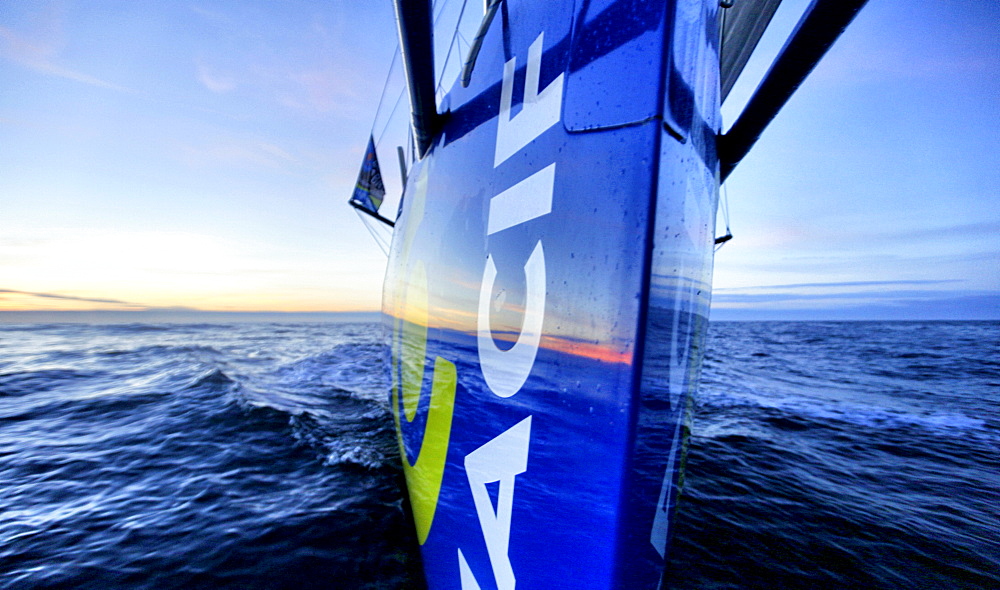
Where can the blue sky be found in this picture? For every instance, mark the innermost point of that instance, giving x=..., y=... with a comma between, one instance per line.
x=875, y=191
x=188, y=154
x=199, y=155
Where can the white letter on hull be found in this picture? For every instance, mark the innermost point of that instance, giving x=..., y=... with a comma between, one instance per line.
x=539, y=111
x=505, y=371
x=499, y=460
x=526, y=200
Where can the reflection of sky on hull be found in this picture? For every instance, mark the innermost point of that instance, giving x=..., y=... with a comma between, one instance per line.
x=576, y=398
x=607, y=353
x=573, y=400
x=591, y=346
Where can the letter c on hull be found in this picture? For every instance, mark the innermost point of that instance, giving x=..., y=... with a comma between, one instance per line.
x=506, y=371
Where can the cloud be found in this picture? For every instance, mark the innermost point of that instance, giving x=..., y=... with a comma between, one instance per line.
x=766, y=298
x=213, y=16
x=851, y=300
x=241, y=152
x=41, y=54
x=948, y=306
x=964, y=34
x=72, y=298
x=841, y=284
x=216, y=83
x=300, y=66
x=330, y=86
x=979, y=230
x=850, y=293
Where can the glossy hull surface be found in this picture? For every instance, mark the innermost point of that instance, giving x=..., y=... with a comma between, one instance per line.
x=563, y=215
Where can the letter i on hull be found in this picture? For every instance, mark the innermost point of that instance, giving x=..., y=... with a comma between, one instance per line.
x=535, y=425
x=547, y=292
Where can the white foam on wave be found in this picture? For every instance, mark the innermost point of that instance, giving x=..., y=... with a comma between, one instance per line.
x=869, y=416
x=947, y=422
x=356, y=455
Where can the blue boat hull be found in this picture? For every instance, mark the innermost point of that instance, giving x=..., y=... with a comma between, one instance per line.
x=547, y=296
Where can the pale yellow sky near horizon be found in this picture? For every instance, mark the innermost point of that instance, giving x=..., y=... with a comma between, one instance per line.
x=200, y=156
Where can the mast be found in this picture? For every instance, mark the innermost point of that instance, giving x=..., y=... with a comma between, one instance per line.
x=416, y=44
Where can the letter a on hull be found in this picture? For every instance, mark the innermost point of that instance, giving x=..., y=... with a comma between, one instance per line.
x=547, y=293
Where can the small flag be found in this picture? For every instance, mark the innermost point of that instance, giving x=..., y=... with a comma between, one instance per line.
x=369, y=190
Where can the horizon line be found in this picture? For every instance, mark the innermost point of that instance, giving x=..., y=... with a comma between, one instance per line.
x=197, y=316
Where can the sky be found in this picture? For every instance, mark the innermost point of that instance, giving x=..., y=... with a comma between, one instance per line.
x=199, y=155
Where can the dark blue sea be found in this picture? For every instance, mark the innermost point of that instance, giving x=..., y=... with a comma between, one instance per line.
x=823, y=455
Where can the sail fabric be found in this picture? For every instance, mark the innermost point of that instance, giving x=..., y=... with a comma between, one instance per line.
x=369, y=190
x=742, y=26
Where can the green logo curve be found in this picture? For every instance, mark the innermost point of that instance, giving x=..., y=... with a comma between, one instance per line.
x=424, y=476
x=409, y=359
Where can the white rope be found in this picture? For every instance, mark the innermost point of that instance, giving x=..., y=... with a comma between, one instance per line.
x=379, y=240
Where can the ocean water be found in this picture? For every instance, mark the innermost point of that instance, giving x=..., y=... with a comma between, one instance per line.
x=198, y=456
x=823, y=455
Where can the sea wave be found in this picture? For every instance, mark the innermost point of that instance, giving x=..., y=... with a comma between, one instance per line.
x=831, y=455
x=204, y=456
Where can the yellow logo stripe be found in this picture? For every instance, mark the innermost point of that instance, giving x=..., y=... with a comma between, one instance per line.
x=423, y=478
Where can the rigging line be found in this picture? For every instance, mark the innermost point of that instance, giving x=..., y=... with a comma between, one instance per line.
x=385, y=87
x=724, y=209
x=451, y=44
x=390, y=116
x=442, y=4
x=410, y=149
x=462, y=39
x=388, y=121
x=383, y=243
x=725, y=5
x=372, y=232
x=725, y=205
x=477, y=41
x=386, y=241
